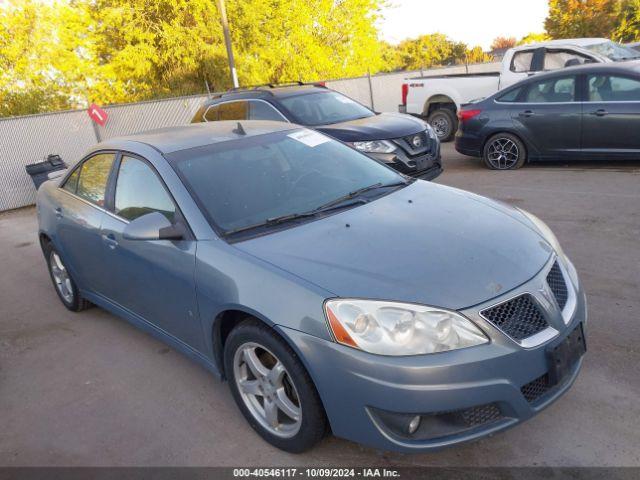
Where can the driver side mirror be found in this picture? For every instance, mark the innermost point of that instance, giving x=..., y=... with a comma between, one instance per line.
x=153, y=226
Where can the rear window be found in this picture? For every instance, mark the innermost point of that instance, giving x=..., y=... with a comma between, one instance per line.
x=323, y=108
x=522, y=61
x=510, y=96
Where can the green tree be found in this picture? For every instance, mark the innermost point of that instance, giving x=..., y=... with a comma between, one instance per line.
x=435, y=49
x=61, y=54
x=628, y=28
x=534, y=38
x=582, y=18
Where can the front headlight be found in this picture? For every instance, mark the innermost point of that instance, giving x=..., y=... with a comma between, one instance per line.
x=545, y=231
x=391, y=328
x=551, y=238
x=375, y=146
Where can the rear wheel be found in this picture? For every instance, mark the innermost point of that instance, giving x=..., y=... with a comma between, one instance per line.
x=444, y=123
x=272, y=388
x=504, y=151
x=63, y=283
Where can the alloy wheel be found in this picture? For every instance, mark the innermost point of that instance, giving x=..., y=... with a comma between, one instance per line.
x=503, y=153
x=267, y=390
x=61, y=277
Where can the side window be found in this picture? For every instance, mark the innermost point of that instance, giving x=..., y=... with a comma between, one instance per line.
x=553, y=90
x=233, y=111
x=510, y=96
x=553, y=60
x=211, y=115
x=94, y=175
x=72, y=182
x=521, y=61
x=603, y=88
x=139, y=191
x=263, y=111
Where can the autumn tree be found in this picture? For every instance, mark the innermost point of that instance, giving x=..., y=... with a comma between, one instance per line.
x=534, y=38
x=500, y=43
x=582, y=18
x=628, y=28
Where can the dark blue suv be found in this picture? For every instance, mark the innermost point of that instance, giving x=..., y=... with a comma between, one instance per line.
x=405, y=143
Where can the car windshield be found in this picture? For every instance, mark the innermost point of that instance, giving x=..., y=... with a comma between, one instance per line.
x=254, y=183
x=614, y=51
x=323, y=108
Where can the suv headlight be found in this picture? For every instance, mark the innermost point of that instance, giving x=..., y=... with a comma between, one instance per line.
x=430, y=131
x=375, y=146
x=392, y=328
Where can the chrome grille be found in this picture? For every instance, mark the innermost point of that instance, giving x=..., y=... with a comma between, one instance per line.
x=556, y=282
x=519, y=317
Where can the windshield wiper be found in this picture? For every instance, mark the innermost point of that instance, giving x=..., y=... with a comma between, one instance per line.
x=355, y=194
x=333, y=204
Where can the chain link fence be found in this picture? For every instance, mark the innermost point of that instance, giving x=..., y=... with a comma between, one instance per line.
x=29, y=139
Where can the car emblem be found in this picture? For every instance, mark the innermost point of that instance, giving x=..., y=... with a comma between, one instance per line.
x=545, y=293
x=416, y=141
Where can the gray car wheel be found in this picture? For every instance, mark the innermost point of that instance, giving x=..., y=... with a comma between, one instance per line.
x=504, y=151
x=63, y=282
x=272, y=388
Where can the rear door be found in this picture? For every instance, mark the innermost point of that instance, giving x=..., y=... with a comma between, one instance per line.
x=154, y=279
x=611, y=121
x=80, y=212
x=549, y=117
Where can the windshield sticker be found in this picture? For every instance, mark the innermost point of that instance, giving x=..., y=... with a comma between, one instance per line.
x=309, y=138
x=344, y=99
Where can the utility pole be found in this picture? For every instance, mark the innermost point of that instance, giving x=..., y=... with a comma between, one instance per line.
x=227, y=41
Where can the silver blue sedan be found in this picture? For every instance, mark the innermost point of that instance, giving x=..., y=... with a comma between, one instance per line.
x=330, y=291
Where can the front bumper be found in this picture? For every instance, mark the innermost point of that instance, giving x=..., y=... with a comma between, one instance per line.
x=356, y=386
x=426, y=166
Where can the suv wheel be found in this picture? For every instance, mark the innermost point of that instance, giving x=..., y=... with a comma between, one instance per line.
x=272, y=388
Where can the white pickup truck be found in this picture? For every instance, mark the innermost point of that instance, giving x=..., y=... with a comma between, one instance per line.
x=438, y=98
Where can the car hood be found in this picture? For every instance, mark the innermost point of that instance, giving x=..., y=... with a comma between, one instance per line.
x=378, y=127
x=425, y=243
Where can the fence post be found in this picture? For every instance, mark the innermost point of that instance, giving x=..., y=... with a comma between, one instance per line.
x=370, y=90
x=96, y=130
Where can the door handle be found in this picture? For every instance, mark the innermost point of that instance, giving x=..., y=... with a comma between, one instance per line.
x=110, y=240
x=58, y=212
x=527, y=113
x=600, y=112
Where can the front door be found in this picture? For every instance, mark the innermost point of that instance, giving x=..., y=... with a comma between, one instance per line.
x=549, y=117
x=152, y=279
x=80, y=212
x=611, y=121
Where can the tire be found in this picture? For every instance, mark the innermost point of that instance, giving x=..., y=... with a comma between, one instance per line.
x=63, y=283
x=444, y=123
x=270, y=350
x=504, y=151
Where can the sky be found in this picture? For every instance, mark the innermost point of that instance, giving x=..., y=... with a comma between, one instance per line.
x=474, y=22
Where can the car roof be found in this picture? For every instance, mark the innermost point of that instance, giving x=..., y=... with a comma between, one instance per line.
x=266, y=92
x=575, y=42
x=630, y=66
x=183, y=137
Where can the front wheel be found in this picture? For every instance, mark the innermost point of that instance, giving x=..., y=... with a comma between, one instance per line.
x=504, y=152
x=64, y=284
x=272, y=388
x=444, y=124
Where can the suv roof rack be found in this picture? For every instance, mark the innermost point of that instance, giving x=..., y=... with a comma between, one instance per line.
x=297, y=83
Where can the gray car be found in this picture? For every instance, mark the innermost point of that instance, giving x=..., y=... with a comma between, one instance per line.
x=588, y=112
x=330, y=291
